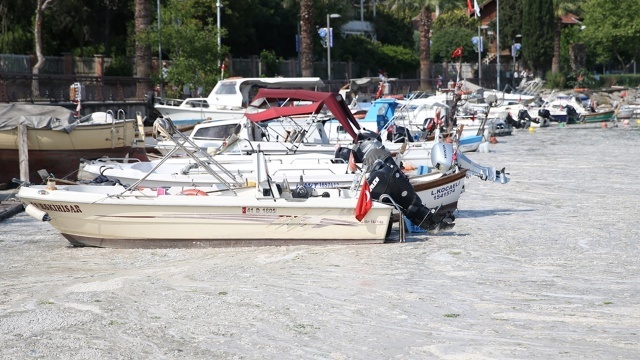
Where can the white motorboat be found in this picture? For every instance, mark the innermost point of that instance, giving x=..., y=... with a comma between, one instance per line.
x=281, y=130
x=318, y=170
x=238, y=214
x=114, y=216
x=228, y=99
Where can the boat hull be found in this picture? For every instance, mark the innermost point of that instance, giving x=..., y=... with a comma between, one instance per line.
x=192, y=116
x=598, y=117
x=143, y=219
x=60, y=152
x=443, y=192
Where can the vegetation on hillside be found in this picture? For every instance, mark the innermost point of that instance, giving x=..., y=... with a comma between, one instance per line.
x=407, y=40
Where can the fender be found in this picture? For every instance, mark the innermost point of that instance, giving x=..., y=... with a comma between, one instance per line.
x=193, y=192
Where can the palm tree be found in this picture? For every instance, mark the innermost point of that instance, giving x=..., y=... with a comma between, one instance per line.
x=560, y=8
x=425, y=21
x=306, y=37
x=143, y=51
x=424, y=28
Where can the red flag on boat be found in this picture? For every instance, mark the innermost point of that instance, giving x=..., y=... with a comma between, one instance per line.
x=364, y=201
x=457, y=52
x=469, y=6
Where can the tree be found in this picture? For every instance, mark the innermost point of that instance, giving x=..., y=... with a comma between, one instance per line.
x=143, y=51
x=537, y=34
x=424, y=28
x=446, y=40
x=425, y=22
x=189, y=37
x=306, y=37
x=510, y=22
x=456, y=18
x=15, y=34
x=612, y=31
x=393, y=30
x=560, y=9
x=41, y=6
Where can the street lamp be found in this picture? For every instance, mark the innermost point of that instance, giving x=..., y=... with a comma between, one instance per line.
x=478, y=46
x=160, y=55
x=330, y=42
x=498, y=42
x=516, y=47
x=218, y=6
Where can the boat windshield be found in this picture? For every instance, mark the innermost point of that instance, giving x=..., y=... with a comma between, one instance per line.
x=215, y=132
x=226, y=88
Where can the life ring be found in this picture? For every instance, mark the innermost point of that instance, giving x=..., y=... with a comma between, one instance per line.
x=193, y=192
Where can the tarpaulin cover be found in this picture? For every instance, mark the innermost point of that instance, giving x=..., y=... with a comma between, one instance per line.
x=37, y=117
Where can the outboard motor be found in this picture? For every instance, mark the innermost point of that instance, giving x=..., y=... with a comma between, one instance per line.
x=442, y=158
x=400, y=134
x=344, y=153
x=364, y=135
x=385, y=177
x=545, y=114
x=518, y=124
x=524, y=118
x=429, y=126
x=571, y=113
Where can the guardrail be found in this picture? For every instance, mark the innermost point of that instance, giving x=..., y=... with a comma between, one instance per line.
x=17, y=87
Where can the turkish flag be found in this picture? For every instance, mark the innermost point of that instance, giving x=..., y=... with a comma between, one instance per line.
x=469, y=6
x=364, y=201
x=457, y=52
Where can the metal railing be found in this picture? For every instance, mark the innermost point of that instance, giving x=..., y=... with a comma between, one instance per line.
x=16, y=87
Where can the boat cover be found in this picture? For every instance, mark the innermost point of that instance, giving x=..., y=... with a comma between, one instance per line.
x=333, y=101
x=284, y=111
x=37, y=117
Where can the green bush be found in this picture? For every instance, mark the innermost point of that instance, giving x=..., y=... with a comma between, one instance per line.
x=270, y=61
x=555, y=81
x=373, y=55
x=120, y=66
x=581, y=78
x=628, y=80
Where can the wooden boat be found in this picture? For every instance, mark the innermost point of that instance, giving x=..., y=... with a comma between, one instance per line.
x=601, y=116
x=56, y=140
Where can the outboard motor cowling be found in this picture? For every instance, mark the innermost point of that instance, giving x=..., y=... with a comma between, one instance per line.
x=365, y=134
x=524, y=118
x=545, y=114
x=442, y=156
x=400, y=134
x=572, y=113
